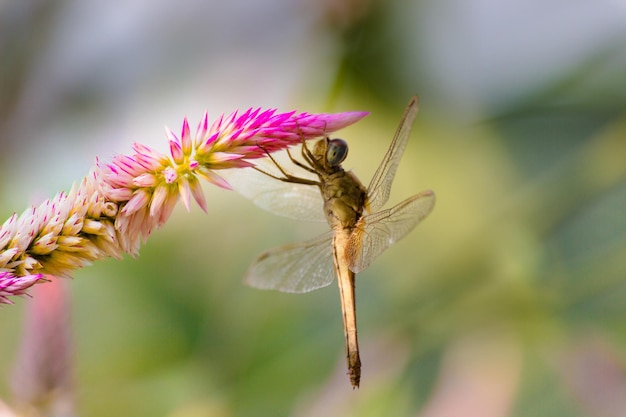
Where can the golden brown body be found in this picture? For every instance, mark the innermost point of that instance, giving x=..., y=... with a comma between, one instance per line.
x=359, y=231
x=344, y=201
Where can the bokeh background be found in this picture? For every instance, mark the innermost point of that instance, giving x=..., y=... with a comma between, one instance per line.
x=509, y=300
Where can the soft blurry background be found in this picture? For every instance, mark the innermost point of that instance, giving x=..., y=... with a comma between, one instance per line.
x=510, y=300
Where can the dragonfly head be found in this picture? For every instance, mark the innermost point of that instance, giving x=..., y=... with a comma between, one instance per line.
x=336, y=151
x=331, y=151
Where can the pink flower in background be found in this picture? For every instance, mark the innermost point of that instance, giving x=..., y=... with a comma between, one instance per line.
x=119, y=203
x=43, y=373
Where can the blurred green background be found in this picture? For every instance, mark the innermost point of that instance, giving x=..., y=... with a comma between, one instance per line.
x=509, y=300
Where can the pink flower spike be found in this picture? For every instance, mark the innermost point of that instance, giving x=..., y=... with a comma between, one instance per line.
x=43, y=375
x=121, y=202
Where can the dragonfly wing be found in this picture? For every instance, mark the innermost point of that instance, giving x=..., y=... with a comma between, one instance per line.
x=295, y=201
x=296, y=268
x=374, y=233
x=380, y=186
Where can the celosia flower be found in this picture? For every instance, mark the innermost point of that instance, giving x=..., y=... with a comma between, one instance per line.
x=120, y=203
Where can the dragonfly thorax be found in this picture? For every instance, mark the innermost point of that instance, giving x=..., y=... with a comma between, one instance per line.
x=344, y=195
x=344, y=198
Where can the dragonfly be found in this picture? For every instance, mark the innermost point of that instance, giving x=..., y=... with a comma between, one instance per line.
x=359, y=233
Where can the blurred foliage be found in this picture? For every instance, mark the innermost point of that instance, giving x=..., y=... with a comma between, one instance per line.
x=513, y=289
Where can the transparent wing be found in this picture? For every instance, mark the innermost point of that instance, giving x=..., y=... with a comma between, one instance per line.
x=374, y=233
x=380, y=186
x=296, y=201
x=295, y=268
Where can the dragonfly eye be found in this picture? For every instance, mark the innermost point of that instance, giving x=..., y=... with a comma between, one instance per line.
x=336, y=152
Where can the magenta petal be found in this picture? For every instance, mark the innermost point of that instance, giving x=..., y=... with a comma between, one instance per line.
x=243, y=118
x=185, y=137
x=139, y=200
x=226, y=156
x=158, y=200
x=198, y=195
x=340, y=120
x=203, y=128
x=185, y=193
x=207, y=144
x=235, y=134
x=217, y=124
x=177, y=152
x=215, y=179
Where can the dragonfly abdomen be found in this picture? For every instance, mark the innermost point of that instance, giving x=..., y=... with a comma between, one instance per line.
x=346, y=282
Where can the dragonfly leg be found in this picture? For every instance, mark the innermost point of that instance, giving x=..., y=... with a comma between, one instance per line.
x=300, y=164
x=287, y=176
x=308, y=155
